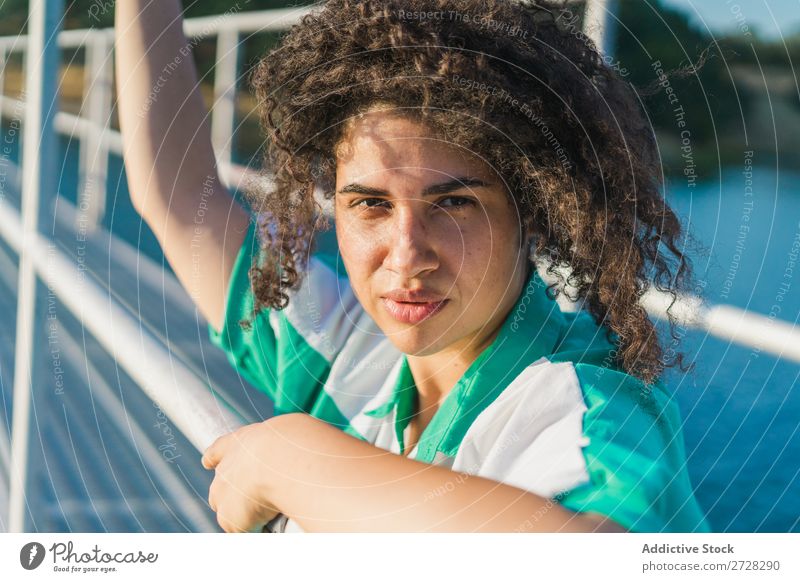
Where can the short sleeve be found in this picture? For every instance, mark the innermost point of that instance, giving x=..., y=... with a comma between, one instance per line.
x=635, y=456
x=285, y=353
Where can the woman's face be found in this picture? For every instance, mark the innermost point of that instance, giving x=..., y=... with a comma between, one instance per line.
x=428, y=235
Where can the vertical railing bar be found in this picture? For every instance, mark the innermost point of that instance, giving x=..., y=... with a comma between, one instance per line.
x=94, y=149
x=598, y=24
x=38, y=160
x=223, y=111
x=5, y=443
x=2, y=84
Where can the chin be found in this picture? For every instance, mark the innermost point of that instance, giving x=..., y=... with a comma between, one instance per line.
x=414, y=343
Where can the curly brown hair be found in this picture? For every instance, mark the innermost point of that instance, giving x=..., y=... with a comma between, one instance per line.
x=506, y=80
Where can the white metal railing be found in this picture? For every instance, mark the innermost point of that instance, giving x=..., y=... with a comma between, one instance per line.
x=197, y=411
x=39, y=145
x=599, y=24
x=186, y=400
x=200, y=414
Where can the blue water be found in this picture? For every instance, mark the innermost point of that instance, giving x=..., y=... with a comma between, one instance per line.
x=741, y=409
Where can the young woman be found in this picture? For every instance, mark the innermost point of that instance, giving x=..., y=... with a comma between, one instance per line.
x=425, y=379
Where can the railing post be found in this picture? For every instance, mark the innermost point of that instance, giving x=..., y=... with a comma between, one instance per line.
x=96, y=108
x=223, y=112
x=2, y=79
x=599, y=24
x=38, y=178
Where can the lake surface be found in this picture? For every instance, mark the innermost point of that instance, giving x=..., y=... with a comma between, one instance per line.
x=742, y=408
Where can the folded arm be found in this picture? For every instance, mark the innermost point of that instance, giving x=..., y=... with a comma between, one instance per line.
x=329, y=481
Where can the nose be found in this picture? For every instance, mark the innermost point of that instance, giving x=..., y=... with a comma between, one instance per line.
x=412, y=251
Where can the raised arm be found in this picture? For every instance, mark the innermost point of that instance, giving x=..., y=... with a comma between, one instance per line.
x=169, y=160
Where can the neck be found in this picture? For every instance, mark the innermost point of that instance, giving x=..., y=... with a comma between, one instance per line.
x=436, y=374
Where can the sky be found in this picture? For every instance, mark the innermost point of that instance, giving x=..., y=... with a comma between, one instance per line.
x=768, y=19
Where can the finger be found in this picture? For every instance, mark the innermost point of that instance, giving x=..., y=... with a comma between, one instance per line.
x=210, y=458
x=213, y=454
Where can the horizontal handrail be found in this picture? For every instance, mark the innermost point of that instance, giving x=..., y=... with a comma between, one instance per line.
x=727, y=322
x=234, y=175
x=746, y=328
x=196, y=410
x=242, y=22
x=107, y=398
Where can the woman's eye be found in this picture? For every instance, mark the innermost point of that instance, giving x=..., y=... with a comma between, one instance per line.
x=454, y=202
x=371, y=203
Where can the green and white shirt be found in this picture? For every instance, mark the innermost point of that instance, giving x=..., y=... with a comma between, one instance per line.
x=542, y=408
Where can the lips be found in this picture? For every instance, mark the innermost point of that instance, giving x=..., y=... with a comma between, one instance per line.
x=408, y=306
x=414, y=296
x=412, y=312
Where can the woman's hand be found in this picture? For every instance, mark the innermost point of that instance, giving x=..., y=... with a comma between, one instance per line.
x=238, y=494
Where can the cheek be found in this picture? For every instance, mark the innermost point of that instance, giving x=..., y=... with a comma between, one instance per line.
x=359, y=254
x=490, y=254
x=469, y=242
x=354, y=241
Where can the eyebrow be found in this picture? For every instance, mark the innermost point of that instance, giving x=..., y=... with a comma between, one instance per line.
x=434, y=190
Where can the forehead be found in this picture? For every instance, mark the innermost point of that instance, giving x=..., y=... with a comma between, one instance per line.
x=379, y=142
